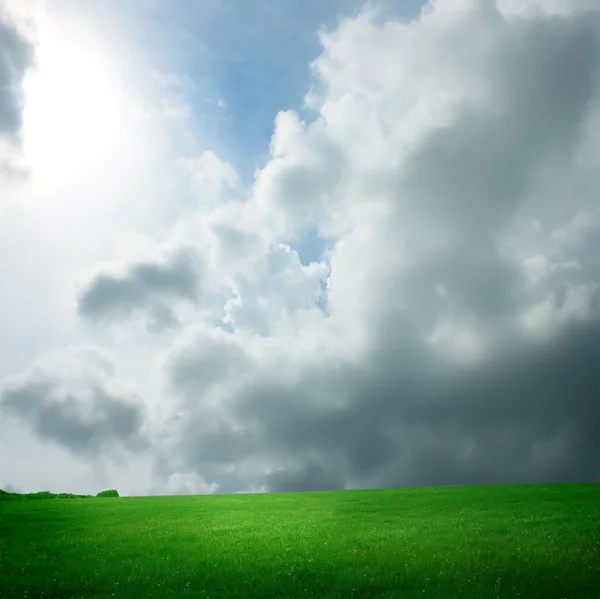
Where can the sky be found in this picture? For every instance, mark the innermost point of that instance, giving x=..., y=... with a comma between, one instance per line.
x=267, y=247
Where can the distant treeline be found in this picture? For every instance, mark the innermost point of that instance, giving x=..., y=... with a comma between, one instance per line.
x=8, y=496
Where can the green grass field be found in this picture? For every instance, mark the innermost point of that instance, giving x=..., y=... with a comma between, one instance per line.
x=527, y=541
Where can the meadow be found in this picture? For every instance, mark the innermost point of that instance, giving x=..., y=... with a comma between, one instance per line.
x=488, y=541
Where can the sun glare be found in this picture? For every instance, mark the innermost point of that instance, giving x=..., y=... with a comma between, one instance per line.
x=73, y=108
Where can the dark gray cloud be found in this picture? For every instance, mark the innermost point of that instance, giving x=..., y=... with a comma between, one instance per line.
x=144, y=286
x=16, y=56
x=86, y=424
x=526, y=120
x=529, y=413
x=311, y=475
x=216, y=357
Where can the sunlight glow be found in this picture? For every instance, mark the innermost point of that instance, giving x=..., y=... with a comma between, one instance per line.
x=73, y=109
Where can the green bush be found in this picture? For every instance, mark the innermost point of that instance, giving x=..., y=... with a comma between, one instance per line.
x=109, y=493
x=41, y=495
x=70, y=496
x=8, y=496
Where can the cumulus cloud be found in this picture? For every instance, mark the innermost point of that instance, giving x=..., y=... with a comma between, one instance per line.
x=272, y=295
x=70, y=400
x=210, y=177
x=143, y=285
x=460, y=341
x=451, y=333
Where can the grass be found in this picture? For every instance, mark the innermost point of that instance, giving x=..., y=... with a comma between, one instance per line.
x=489, y=541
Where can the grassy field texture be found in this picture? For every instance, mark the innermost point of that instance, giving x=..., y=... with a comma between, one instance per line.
x=492, y=541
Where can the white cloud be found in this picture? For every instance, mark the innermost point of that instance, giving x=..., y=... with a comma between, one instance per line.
x=176, y=110
x=166, y=79
x=533, y=8
x=281, y=288
x=210, y=177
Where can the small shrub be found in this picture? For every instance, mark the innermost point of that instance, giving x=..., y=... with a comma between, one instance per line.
x=109, y=493
x=41, y=495
x=8, y=496
x=71, y=496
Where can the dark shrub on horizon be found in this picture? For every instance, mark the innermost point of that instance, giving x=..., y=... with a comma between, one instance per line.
x=8, y=496
x=108, y=493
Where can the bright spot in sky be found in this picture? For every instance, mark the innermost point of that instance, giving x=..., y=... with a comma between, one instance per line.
x=73, y=109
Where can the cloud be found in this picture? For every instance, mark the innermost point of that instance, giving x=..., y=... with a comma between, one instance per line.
x=210, y=177
x=16, y=57
x=430, y=166
x=176, y=110
x=534, y=8
x=303, y=182
x=310, y=476
x=450, y=332
x=143, y=285
x=67, y=400
x=189, y=484
x=281, y=288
